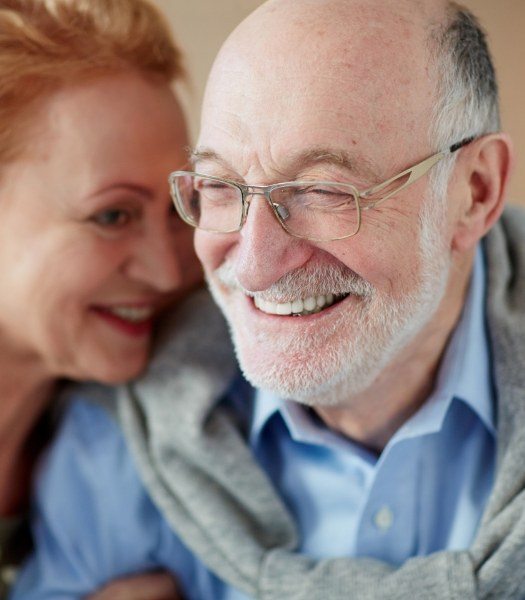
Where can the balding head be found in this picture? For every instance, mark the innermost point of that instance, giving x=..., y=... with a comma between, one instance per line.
x=406, y=59
x=366, y=62
x=341, y=20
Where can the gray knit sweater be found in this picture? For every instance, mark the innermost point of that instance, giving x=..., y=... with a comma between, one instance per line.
x=193, y=459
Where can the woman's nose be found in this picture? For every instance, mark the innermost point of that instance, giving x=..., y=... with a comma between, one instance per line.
x=155, y=260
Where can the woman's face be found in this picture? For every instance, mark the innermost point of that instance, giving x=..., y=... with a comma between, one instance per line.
x=90, y=246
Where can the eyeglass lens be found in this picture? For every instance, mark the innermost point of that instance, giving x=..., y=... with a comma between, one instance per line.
x=323, y=211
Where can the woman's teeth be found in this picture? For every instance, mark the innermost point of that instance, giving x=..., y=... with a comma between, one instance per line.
x=134, y=314
x=306, y=306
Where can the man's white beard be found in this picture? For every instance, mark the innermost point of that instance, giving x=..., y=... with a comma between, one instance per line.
x=329, y=367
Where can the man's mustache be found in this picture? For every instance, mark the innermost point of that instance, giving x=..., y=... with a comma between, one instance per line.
x=303, y=282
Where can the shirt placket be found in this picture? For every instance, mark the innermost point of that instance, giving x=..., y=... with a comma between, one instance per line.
x=389, y=516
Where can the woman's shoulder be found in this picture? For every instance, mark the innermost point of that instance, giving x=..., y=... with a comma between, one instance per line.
x=88, y=447
x=87, y=474
x=88, y=486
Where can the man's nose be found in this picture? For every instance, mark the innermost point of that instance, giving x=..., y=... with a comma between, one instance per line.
x=265, y=250
x=155, y=261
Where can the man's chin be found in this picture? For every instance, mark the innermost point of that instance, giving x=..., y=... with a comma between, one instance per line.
x=306, y=387
x=299, y=377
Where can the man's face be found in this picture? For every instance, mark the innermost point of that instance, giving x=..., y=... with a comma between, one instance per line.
x=325, y=103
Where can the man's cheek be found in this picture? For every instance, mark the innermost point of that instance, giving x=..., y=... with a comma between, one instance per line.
x=203, y=251
x=210, y=250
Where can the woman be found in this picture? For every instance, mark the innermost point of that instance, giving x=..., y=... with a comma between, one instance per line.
x=91, y=251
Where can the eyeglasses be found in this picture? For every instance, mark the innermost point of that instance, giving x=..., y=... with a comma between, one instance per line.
x=320, y=211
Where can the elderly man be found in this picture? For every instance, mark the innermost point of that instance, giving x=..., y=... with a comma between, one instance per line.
x=349, y=167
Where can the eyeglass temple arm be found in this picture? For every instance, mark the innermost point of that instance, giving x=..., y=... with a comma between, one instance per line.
x=414, y=173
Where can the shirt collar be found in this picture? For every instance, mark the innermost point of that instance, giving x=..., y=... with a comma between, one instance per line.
x=464, y=375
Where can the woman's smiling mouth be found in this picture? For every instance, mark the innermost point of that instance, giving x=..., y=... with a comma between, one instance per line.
x=136, y=321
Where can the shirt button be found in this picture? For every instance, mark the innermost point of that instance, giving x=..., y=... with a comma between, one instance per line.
x=384, y=518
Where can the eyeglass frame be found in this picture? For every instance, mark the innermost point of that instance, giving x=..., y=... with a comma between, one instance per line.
x=414, y=173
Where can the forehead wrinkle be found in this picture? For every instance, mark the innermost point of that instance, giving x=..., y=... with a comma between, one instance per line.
x=338, y=157
x=300, y=160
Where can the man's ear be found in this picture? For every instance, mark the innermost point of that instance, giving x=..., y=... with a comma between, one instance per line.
x=485, y=168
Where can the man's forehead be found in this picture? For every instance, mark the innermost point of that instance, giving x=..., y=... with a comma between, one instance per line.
x=319, y=74
x=367, y=48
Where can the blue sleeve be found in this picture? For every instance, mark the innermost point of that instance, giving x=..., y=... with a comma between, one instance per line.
x=93, y=520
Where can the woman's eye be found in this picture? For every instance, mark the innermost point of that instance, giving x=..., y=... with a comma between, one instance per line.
x=112, y=218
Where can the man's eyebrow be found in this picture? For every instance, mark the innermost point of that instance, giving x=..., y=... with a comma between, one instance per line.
x=339, y=157
x=313, y=156
x=197, y=154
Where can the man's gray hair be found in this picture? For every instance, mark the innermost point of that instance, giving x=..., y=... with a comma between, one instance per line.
x=467, y=92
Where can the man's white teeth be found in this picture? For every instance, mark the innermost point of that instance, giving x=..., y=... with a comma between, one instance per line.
x=134, y=314
x=305, y=306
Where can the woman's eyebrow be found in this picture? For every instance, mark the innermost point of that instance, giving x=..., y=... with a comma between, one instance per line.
x=141, y=190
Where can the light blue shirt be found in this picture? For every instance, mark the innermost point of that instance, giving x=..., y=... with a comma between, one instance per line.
x=425, y=492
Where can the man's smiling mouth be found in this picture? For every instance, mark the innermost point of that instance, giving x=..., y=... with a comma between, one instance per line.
x=300, y=307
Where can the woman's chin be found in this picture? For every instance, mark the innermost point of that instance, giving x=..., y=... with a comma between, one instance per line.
x=116, y=372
